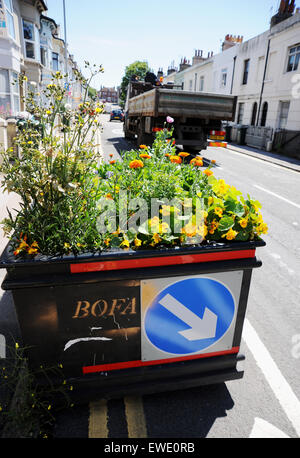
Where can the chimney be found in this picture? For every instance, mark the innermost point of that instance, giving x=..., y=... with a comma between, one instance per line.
x=184, y=64
x=198, y=57
x=285, y=11
x=160, y=73
x=231, y=41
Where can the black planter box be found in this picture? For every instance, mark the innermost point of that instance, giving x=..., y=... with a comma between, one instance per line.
x=124, y=322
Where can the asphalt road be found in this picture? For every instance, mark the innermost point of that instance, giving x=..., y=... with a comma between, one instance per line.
x=266, y=402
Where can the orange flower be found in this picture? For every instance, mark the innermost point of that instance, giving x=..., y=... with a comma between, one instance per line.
x=208, y=172
x=213, y=161
x=145, y=156
x=136, y=164
x=183, y=154
x=167, y=155
x=143, y=146
x=175, y=159
x=112, y=162
x=197, y=162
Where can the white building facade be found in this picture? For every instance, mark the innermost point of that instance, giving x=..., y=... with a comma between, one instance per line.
x=264, y=74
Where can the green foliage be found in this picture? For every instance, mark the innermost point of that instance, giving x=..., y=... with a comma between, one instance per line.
x=137, y=68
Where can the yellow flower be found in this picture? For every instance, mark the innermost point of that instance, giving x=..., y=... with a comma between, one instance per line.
x=214, y=225
x=125, y=243
x=143, y=146
x=222, y=187
x=210, y=200
x=30, y=142
x=190, y=230
x=243, y=222
x=156, y=238
x=219, y=211
x=48, y=112
x=106, y=241
x=208, y=172
x=183, y=154
x=231, y=234
x=262, y=228
x=137, y=242
x=98, y=110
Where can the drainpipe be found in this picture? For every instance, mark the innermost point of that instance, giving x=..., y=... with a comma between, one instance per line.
x=263, y=81
x=233, y=71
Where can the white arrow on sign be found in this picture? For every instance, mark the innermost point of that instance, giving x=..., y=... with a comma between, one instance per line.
x=204, y=328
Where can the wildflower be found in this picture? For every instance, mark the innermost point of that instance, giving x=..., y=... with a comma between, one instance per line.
x=167, y=155
x=67, y=246
x=208, y=172
x=143, y=146
x=222, y=187
x=112, y=162
x=243, y=222
x=98, y=110
x=136, y=164
x=48, y=112
x=210, y=200
x=32, y=250
x=183, y=154
x=231, y=234
x=219, y=211
x=30, y=142
x=17, y=345
x=145, y=156
x=175, y=159
x=213, y=161
x=109, y=196
x=170, y=120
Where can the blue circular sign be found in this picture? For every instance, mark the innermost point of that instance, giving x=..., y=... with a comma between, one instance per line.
x=189, y=316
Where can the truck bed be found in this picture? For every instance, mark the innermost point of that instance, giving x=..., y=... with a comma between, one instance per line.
x=169, y=102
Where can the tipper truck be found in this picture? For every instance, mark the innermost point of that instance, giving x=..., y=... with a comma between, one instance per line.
x=195, y=114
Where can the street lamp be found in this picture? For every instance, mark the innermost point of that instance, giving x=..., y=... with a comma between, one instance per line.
x=66, y=48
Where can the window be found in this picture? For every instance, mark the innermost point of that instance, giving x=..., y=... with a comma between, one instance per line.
x=9, y=93
x=55, y=63
x=240, y=113
x=264, y=114
x=201, y=88
x=283, y=114
x=10, y=18
x=246, y=71
x=29, y=38
x=191, y=85
x=224, y=77
x=195, y=86
x=293, y=59
x=44, y=56
x=254, y=113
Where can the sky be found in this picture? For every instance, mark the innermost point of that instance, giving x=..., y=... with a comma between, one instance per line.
x=118, y=32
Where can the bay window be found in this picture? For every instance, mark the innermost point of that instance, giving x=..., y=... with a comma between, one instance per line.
x=10, y=18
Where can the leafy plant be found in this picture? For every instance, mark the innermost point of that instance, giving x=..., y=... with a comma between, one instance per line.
x=155, y=196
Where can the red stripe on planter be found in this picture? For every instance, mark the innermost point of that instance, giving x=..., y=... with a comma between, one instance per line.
x=159, y=261
x=132, y=364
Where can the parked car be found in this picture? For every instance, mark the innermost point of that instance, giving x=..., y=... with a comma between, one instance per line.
x=116, y=114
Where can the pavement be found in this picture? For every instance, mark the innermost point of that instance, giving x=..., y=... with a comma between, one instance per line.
x=278, y=159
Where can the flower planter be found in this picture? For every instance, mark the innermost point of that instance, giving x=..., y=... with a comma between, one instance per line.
x=125, y=322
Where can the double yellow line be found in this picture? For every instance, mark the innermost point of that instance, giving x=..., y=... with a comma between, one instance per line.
x=135, y=418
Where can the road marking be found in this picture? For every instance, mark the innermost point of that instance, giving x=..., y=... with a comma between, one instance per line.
x=264, y=430
x=277, y=195
x=282, y=264
x=98, y=420
x=282, y=390
x=135, y=417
